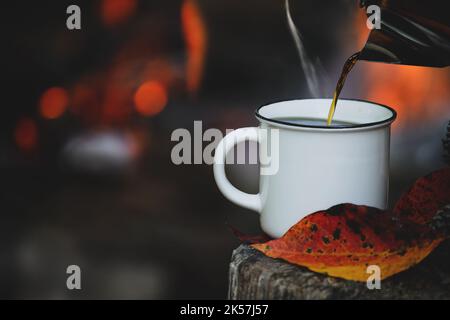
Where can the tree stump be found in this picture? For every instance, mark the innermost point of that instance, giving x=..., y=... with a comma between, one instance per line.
x=256, y=276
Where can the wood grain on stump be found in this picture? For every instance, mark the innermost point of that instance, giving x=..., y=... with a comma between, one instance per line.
x=255, y=276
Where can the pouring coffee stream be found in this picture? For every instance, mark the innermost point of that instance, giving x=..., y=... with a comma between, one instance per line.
x=348, y=66
x=413, y=32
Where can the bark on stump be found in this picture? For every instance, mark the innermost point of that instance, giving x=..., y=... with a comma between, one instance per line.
x=255, y=276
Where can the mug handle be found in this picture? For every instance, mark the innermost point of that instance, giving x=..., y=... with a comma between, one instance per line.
x=246, y=200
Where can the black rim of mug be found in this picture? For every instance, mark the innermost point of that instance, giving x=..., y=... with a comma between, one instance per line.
x=362, y=125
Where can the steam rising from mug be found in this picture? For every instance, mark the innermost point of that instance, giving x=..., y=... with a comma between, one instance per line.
x=310, y=70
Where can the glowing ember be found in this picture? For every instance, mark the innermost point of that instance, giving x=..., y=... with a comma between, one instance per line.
x=26, y=134
x=53, y=103
x=150, y=98
x=114, y=12
x=194, y=31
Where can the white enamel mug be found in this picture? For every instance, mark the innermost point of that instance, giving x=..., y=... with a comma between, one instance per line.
x=316, y=167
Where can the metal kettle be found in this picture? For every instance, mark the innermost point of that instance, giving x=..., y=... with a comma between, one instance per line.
x=413, y=32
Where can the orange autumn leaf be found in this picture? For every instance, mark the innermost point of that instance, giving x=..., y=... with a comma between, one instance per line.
x=343, y=240
x=428, y=195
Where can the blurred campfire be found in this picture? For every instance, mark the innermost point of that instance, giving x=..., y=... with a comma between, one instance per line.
x=139, y=81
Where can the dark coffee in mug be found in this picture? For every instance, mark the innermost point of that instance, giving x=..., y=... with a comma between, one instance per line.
x=314, y=122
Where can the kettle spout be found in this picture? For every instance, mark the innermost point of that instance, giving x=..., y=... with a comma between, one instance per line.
x=413, y=32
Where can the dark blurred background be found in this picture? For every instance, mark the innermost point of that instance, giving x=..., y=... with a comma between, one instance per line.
x=86, y=123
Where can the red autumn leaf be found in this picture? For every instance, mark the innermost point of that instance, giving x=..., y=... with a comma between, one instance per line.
x=343, y=240
x=428, y=195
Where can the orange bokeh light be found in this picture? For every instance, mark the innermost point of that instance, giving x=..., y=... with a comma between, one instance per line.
x=26, y=134
x=114, y=12
x=417, y=93
x=53, y=103
x=194, y=31
x=150, y=98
